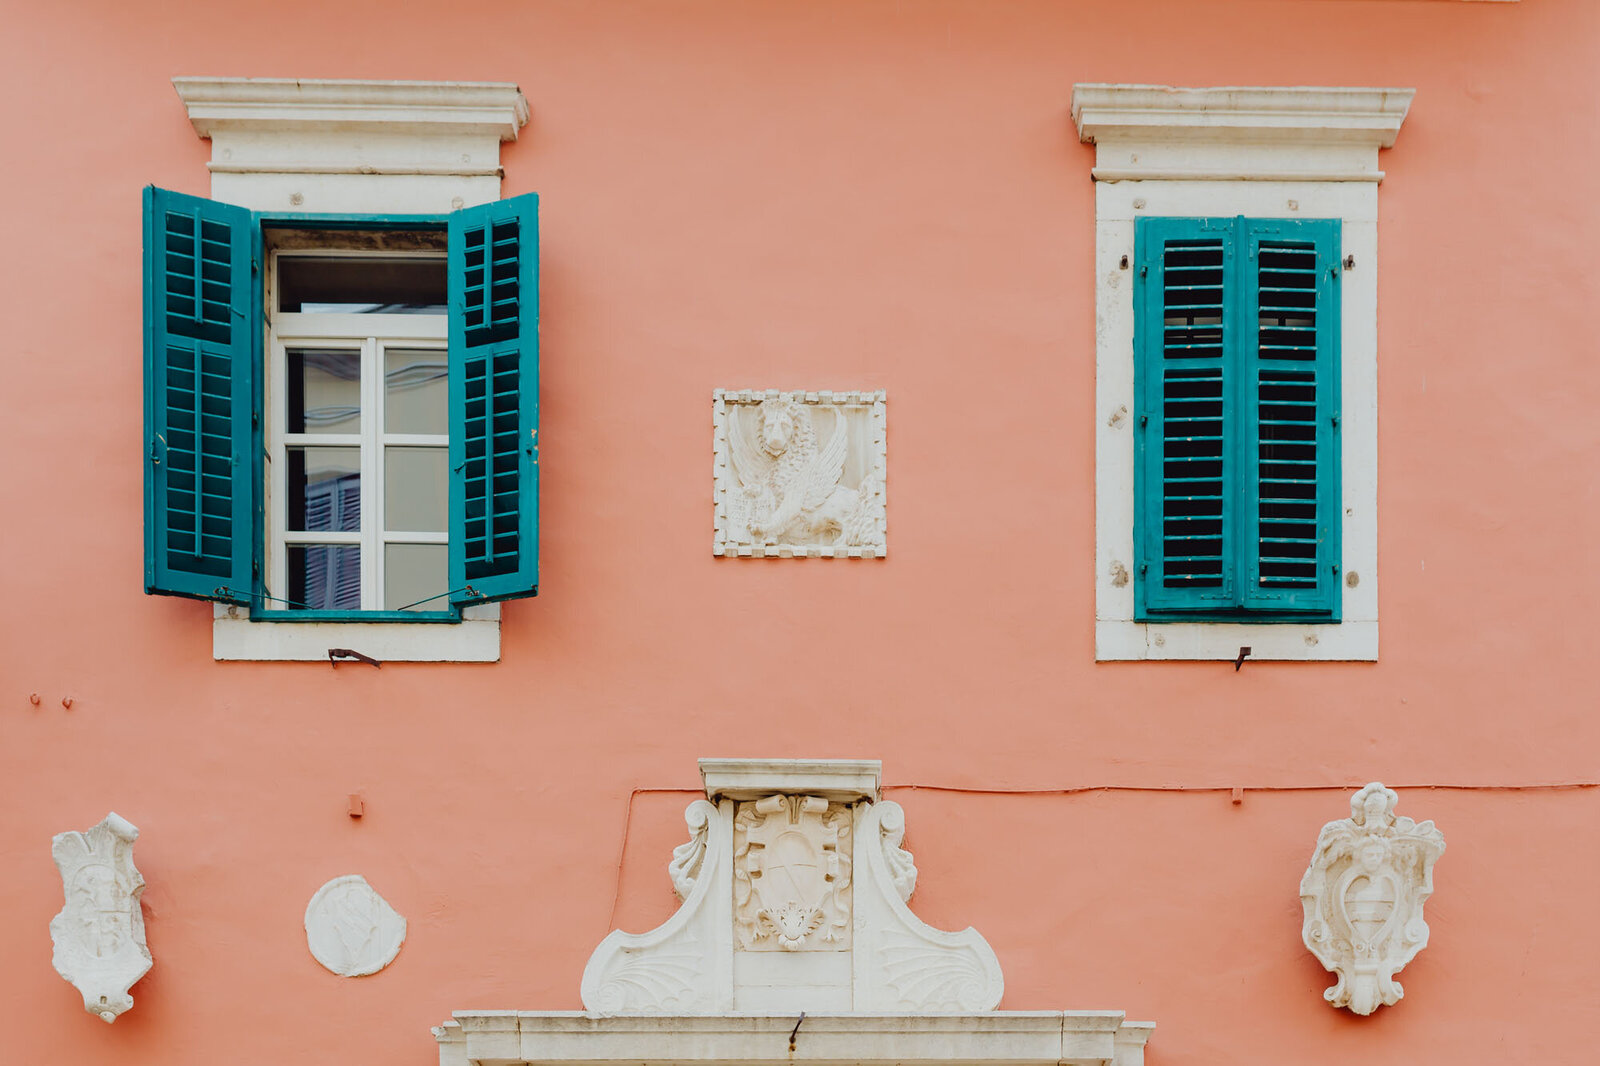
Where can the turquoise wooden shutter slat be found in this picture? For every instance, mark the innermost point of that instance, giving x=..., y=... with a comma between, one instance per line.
x=1290, y=524
x=200, y=340
x=494, y=400
x=1185, y=437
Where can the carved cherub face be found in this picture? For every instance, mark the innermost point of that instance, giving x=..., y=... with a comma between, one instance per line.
x=1371, y=855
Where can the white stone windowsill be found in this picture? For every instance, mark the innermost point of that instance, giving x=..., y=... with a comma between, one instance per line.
x=1015, y=1038
x=474, y=639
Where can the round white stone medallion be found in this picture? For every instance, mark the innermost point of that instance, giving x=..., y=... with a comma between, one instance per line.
x=351, y=929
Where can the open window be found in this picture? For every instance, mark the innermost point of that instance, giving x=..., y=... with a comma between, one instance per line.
x=341, y=412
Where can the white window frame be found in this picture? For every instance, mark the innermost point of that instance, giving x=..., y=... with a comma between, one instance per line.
x=1215, y=153
x=354, y=147
x=370, y=335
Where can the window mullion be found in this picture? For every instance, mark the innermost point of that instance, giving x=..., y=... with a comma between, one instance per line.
x=371, y=475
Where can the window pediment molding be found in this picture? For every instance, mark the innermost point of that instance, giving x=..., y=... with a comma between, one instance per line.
x=1145, y=132
x=352, y=146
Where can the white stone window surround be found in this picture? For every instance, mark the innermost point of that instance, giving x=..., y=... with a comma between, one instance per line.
x=1261, y=153
x=354, y=147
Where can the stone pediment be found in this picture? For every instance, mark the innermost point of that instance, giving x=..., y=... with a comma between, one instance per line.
x=793, y=944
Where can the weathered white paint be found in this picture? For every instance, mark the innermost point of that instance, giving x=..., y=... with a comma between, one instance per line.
x=1222, y=152
x=400, y=147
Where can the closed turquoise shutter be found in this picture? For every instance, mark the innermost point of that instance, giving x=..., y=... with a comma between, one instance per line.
x=494, y=400
x=1290, y=523
x=200, y=342
x=1185, y=430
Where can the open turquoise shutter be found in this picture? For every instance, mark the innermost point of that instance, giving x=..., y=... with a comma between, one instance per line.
x=200, y=344
x=1290, y=524
x=1185, y=434
x=494, y=400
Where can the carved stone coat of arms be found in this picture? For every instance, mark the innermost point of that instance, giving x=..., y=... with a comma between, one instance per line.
x=1362, y=896
x=99, y=934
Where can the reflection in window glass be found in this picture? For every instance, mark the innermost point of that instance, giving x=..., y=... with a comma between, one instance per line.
x=413, y=572
x=324, y=489
x=416, y=489
x=324, y=391
x=325, y=577
x=415, y=391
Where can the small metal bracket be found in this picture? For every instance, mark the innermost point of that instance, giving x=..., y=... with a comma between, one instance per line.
x=1349, y=262
x=335, y=654
x=1244, y=650
x=796, y=1030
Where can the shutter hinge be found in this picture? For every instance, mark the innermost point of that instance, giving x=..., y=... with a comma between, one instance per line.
x=255, y=568
x=1144, y=420
x=1144, y=568
x=1335, y=420
x=1144, y=271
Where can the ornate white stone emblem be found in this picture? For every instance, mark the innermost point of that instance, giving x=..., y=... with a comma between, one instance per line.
x=99, y=934
x=791, y=874
x=351, y=929
x=799, y=473
x=1363, y=895
x=794, y=886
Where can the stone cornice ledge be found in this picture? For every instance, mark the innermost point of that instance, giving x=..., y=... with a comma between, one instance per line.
x=1238, y=133
x=999, y=1038
x=339, y=104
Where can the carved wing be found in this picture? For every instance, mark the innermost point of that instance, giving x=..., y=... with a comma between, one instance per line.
x=750, y=465
x=828, y=466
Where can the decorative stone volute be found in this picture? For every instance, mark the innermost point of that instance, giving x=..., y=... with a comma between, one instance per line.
x=99, y=934
x=1363, y=895
x=794, y=886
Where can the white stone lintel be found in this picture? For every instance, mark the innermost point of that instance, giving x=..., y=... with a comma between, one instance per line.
x=843, y=780
x=1001, y=1038
x=266, y=104
x=1265, y=133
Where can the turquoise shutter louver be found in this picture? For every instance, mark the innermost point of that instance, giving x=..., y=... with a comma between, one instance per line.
x=494, y=400
x=1185, y=433
x=1290, y=532
x=1236, y=378
x=200, y=345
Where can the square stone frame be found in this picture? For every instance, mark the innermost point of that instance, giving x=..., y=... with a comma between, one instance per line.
x=725, y=482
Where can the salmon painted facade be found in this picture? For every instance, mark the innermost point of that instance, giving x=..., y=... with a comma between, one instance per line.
x=1019, y=466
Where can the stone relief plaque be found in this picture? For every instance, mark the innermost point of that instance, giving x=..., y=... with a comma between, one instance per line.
x=99, y=934
x=791, y=874
x=799, y=474
x=350, y=929
x=1362, y=896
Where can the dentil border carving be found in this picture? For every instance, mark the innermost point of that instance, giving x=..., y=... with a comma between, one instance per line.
x=1363, y=895
x=799, y=474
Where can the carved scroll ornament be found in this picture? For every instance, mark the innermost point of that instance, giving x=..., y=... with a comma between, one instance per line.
x=99, y=934
x=1363, y=895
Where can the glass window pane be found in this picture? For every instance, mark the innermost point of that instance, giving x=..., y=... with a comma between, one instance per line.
x=415, y=391
x=416, y=489
x=324, y=489
x=325, y=577
x=361, y=284
x=412, y=572
x=324, y=391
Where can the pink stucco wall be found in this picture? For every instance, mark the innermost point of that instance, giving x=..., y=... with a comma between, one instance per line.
x=825, y=194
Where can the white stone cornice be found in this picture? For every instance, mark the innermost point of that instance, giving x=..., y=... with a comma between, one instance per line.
x=1016, y=1038
x=845, y=780
x=1156, y=132
x=264, y=104
x=360, y=147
